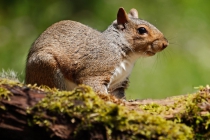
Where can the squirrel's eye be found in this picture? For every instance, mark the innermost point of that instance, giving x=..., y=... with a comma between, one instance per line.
x=142, y=30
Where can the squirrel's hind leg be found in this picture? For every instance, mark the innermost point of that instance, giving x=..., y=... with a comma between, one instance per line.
x=42, y=69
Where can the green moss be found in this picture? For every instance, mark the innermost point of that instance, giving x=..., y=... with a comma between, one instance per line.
x=86, y=110
x=4, y=94
x=9, y=82
x=192, y=110
x=197, y=113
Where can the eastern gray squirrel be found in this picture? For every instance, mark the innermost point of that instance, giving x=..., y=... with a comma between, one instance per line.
x=69, y=53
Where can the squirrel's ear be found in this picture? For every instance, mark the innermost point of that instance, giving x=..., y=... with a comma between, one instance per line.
x=133, y=13
x=122, y=17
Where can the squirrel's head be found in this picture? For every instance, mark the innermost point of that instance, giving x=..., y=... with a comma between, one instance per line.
x=143, y=37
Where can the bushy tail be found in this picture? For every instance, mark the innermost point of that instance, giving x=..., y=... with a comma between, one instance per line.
x=9, y=74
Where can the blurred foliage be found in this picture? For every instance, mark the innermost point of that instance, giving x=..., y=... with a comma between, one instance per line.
x=176, y=70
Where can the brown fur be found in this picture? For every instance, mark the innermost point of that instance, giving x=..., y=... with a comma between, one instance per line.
x=71, y=51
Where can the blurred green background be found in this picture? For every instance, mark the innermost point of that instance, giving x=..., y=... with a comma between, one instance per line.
x=176, y=70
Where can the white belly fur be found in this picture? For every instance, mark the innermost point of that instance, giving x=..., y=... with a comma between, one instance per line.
x=122, y=71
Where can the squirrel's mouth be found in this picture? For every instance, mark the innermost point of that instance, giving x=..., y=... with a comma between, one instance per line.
x=150, y=53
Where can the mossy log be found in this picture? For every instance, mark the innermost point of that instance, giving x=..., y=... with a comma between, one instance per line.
x=31, y=112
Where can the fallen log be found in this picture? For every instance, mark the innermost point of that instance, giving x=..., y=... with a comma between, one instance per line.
x=30, y=112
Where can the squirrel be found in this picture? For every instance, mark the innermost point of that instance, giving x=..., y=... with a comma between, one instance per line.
x=69, y=53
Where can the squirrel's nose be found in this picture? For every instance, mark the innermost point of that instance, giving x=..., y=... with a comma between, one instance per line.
x=165, y=43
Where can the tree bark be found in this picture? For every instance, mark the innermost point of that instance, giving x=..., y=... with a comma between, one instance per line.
x=14, y=119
